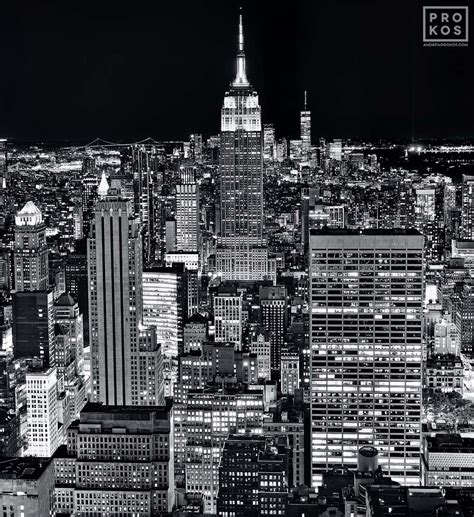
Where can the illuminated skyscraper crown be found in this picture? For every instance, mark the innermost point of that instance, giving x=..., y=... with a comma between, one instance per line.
x=241, y=73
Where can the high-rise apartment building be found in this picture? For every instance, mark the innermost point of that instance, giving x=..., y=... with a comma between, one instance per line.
x=366, y=348
x=115, y=301
x=241, y=252
x=31, y=252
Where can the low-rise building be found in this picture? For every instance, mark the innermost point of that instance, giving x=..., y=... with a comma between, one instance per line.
x=448, y=460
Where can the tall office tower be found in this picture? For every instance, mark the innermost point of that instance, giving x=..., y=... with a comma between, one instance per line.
x=465, y=319
x=253, y=478
x=467, y=213
x=268, y=142
x=164, y=306
x=366, y=349
x=228, y=316
x=5, y=269
x=187, y=211
x=30, y=255
x=42, y=413
x=406, y=205
x=145, y=162
x=27, y=486
x=118, y=461
x=114, y=258
x=310, y=196
x=426, y=221
x=274, y=318
x=4, y=184
x=305, y=128
x=241, y=247
x=33, y=326
x=188, y=241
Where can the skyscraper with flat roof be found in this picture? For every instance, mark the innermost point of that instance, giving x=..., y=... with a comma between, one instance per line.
x=3, y=183
x=366, y=298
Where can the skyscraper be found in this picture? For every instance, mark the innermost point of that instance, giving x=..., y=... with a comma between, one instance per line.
x=115, y=301
x=3, y=183
x=228, y=316
x=274, y=318
x=305, y=128
x=43, y=433
x=467, y=214
x=164, y=305
x=268, y=142
x=31, y=253
x=241, y=252
x=33, y=326
x=187, y=211
x=366, y=348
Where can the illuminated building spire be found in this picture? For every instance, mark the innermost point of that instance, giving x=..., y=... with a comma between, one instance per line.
x=241, y=74
x=103, y=187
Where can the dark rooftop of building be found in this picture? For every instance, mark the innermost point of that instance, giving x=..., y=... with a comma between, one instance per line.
x=65, y=300
x=197, y=318
x=369, y=231
x=28, y=468
x=453, y=443
x=100, y=411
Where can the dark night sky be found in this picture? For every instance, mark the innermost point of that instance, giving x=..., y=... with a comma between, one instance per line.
x=129, y=69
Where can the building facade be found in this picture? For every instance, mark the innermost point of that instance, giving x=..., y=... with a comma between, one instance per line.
x=366, y=348
x=30, y=255
x=241, y=252
x=115, y=301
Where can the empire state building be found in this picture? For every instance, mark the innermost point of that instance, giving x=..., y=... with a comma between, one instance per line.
x=241, y=247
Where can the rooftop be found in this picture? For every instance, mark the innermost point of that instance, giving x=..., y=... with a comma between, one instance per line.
x=30, y=468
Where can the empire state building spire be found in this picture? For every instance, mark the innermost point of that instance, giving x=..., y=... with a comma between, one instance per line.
x=241, y=74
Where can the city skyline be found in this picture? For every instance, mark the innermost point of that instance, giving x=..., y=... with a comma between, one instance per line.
x=240, y=324
x=366, y=71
